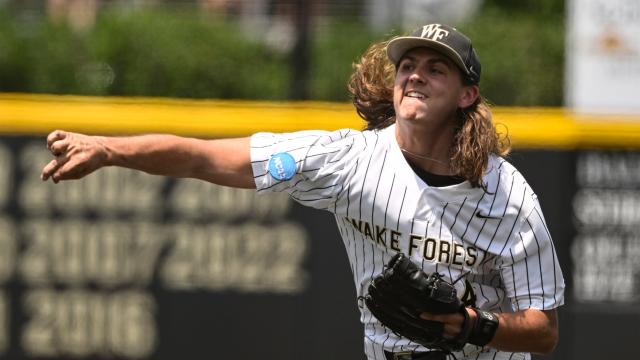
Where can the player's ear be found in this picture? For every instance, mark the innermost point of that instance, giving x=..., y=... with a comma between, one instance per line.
x=468, y=96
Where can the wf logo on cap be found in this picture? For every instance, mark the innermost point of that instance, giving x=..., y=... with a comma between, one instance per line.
x=433, y=32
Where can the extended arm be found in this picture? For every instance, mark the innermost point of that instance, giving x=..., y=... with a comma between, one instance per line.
x=224, y=162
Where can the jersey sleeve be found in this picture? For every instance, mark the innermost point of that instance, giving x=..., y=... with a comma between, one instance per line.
x=530, y=270
x=309, y=165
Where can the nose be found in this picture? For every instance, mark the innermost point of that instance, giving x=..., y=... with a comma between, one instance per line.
x=415, y=77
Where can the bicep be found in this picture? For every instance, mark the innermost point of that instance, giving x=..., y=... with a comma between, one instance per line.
x=225, y=162
x=530, y=268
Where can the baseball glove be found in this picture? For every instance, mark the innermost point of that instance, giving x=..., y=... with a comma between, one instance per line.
x=403, y=291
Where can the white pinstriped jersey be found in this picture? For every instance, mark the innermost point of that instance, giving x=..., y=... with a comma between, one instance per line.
x=498, y=238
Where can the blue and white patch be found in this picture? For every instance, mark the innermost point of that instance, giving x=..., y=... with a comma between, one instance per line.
x=282, y=166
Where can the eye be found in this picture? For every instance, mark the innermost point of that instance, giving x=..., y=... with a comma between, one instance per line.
x=436, y=70
x=406, y=66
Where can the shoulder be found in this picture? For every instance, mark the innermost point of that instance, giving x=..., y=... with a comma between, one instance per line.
x=507, y=182
x=383, y=136
x=363, y=141
x=501, y=174
x=298, y=141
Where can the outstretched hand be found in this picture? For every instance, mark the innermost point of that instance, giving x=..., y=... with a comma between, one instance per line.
x=76, y=155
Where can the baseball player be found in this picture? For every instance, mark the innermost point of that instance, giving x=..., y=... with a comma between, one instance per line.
x=427, y=178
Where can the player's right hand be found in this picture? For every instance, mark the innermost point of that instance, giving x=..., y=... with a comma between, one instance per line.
x=76, y=155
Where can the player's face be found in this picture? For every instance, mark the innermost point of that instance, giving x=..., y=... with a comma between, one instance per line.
x=428, y=88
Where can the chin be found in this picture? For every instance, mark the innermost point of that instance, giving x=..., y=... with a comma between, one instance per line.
x=412, y=113
x=413, y=116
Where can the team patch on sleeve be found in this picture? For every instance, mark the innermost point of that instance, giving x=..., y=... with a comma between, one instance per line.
x=282, y=166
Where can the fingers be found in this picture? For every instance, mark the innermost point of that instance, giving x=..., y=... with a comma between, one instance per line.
x=53, y=169
x=435, y=317
x=62, y=169
x=69, y=171
x=49, y=169
x=452, y=322
x=57, y=143
x=59, y=147
x=55, y=136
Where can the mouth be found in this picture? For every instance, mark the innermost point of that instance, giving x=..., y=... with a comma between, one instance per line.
x=415, y=95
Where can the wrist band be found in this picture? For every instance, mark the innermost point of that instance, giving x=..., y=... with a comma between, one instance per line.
x=484, y=328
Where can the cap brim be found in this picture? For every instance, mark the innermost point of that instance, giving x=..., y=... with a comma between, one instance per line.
x=400, y=45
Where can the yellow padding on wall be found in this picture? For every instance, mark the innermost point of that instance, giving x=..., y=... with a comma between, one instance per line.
x=26, y=114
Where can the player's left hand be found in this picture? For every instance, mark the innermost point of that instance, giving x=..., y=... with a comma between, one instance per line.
x=452, y=322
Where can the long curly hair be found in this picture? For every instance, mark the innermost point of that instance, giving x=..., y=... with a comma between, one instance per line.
x=476, y=137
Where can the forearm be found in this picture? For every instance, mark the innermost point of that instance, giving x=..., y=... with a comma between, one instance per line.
x=527, y=331
x=155, y=154
x=225, y=162
x=523, y=331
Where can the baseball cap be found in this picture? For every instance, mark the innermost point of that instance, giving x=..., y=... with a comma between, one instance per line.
x=444, y=39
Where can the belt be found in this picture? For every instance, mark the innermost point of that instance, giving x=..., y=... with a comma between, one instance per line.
x=409, y=355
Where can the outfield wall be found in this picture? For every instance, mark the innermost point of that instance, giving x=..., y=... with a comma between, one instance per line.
x=126, y=265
